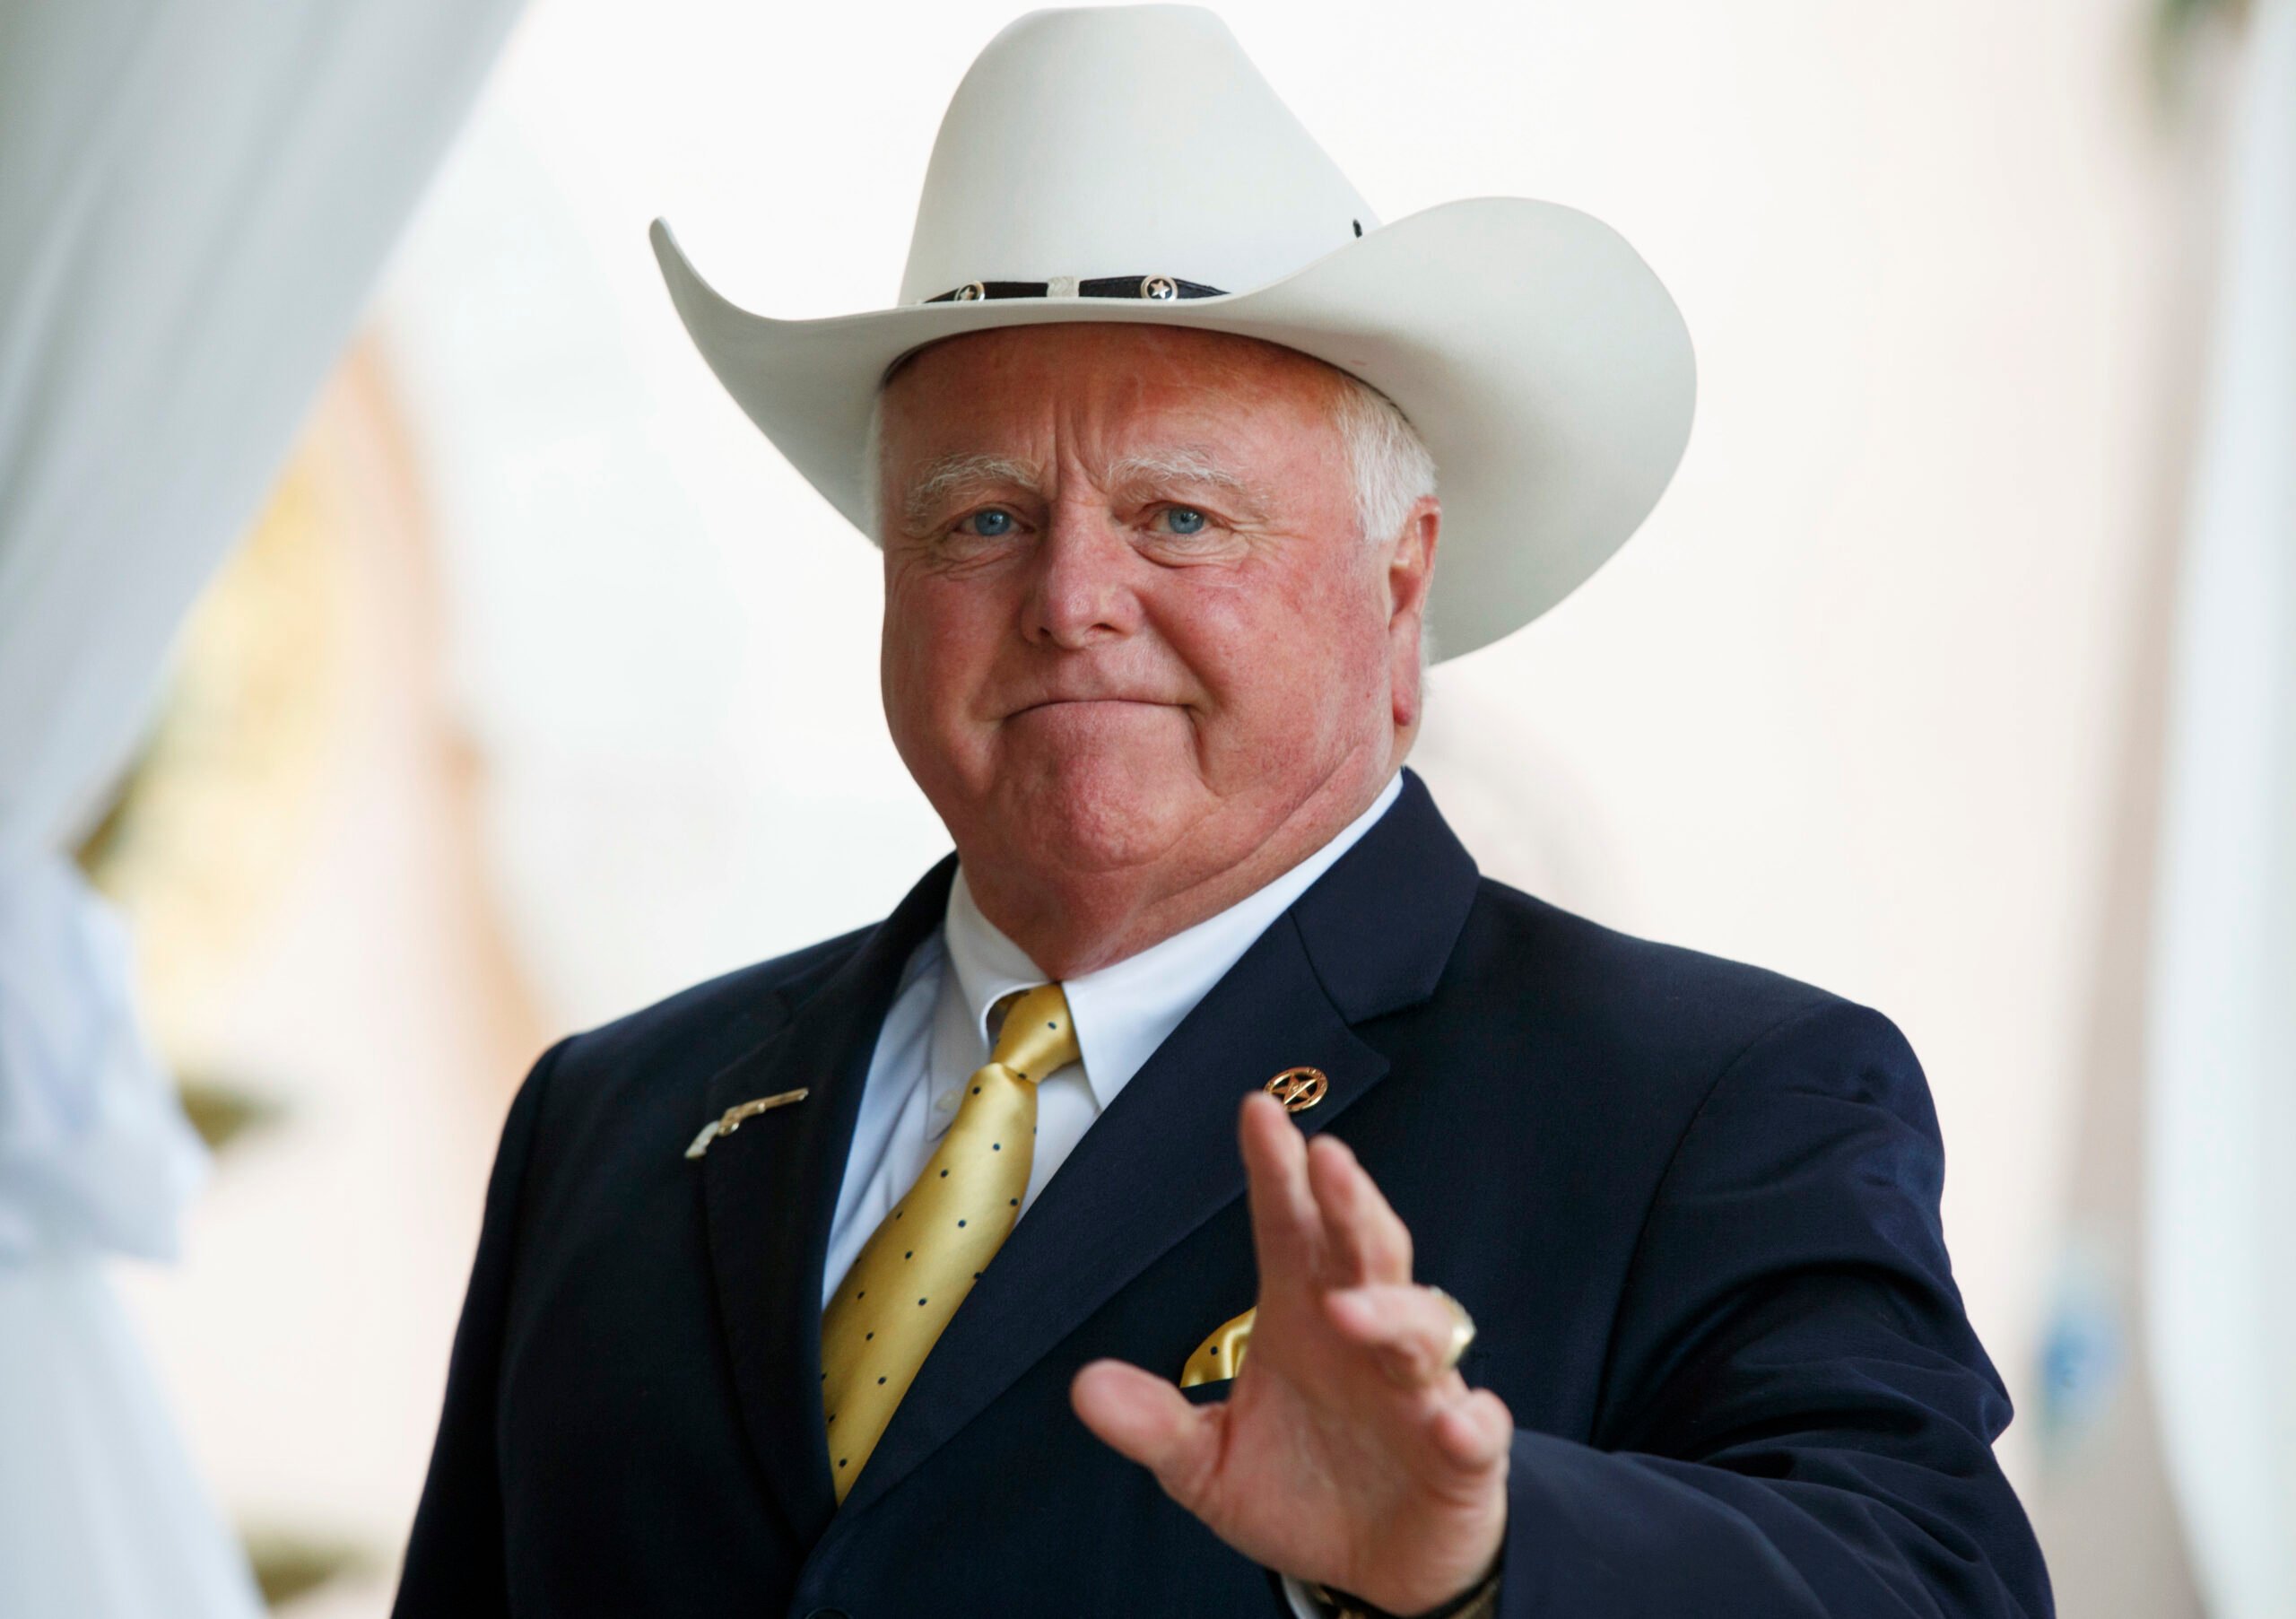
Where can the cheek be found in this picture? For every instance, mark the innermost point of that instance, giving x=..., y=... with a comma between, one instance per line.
x=941, y=641
x=928, y=638
x=1288, y=661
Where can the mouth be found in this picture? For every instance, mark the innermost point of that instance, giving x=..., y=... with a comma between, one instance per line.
x=1051, y=704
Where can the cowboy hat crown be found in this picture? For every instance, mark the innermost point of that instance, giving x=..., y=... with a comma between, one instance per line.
x=1194, y=169
x=1130, y=164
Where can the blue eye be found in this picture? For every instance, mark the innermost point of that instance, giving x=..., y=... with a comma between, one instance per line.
x=1185, y=519
x=989, y=525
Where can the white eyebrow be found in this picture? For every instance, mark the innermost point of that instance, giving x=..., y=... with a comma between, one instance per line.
x=1182, y=464
x=944, y=474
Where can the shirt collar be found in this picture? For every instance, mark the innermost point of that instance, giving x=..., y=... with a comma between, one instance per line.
x=1124, y=1010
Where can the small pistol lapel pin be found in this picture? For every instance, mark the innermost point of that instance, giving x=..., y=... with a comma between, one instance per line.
x=730, y=1120
x=1298, y=1089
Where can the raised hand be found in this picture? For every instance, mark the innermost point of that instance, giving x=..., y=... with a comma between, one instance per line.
x=1348, y=1454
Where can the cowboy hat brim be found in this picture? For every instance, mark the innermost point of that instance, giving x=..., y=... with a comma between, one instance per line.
x=1543, y=361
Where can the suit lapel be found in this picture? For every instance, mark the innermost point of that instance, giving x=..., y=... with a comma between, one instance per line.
x=770, y=1191
x=1371, y=935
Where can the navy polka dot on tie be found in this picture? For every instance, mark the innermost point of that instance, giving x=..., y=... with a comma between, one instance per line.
x=880, y=1383
x=960, y=1226
x=920, y=1301
x=1013, y=1203
x=944, y=1174
x=996, y=1147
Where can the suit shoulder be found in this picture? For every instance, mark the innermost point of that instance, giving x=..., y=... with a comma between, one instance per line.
x=1672, y=999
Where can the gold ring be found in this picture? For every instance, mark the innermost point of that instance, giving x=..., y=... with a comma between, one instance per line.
x=1461, y=1328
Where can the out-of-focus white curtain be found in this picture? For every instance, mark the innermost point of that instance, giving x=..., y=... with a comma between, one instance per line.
x=194, y=198
x=2221, y=1024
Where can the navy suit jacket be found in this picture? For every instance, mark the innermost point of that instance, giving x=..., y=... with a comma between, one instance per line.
x=1692, y=1206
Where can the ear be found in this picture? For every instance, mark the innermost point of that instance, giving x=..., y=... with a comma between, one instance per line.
x=1411, y=571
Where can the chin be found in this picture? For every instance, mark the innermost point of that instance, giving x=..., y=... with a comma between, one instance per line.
x=1099, y=810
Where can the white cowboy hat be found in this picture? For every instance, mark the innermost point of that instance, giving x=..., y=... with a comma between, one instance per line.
x=1131, y=164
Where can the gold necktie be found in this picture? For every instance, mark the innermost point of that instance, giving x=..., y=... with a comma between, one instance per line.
x=925, y=1255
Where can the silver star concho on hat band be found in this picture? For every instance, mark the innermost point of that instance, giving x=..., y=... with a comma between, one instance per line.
x=1461, y=1328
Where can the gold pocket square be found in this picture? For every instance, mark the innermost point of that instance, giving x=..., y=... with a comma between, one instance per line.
x=1220, y=1355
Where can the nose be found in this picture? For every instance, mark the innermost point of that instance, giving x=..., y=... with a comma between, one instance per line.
x=1082, y=593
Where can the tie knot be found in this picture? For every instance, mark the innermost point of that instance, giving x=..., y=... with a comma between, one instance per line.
x=1037, y=1036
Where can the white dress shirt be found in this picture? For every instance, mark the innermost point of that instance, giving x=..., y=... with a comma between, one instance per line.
x=937, y=1034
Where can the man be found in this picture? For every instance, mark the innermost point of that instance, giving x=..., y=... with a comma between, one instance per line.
x=920, y=1272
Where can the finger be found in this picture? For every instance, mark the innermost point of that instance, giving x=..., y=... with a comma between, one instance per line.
x=1141, y=1416
x=1286, y=1226
x=1476, y=1432
x=1407, y=1329
x=1364, y=1238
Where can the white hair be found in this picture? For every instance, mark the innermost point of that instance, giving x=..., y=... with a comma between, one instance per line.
x=1393, y=471
x=1392, y=466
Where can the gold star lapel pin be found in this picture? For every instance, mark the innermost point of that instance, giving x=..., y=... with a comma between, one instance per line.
x=1298, y=1089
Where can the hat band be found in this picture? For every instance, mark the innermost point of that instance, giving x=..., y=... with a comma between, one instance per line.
x=1161, y=289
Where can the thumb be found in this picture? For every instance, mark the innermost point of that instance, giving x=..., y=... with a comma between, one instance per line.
x=1140, y=1415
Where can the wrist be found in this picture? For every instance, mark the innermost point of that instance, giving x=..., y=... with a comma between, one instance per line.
x=1478, y=1601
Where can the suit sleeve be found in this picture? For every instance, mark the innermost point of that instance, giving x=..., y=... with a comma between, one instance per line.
x=454, y=1554
x=1797, y=1420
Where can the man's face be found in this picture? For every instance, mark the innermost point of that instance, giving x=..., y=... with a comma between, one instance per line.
x=1130, y=618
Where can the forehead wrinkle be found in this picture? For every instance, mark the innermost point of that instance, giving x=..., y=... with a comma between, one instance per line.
x=944, y=474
